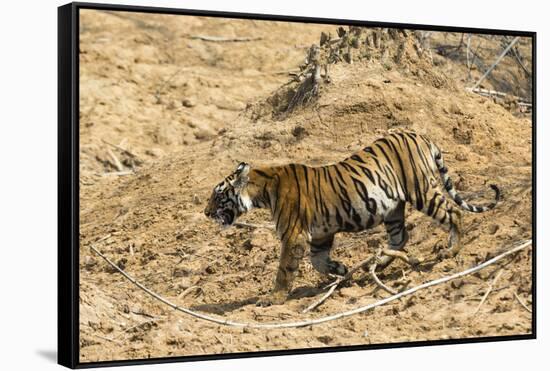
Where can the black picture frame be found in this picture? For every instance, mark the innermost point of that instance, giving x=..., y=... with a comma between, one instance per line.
x=68, y=184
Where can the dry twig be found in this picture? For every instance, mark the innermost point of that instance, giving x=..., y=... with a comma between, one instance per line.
x=218, y=39
x=332, y=286
x=378, y=282
x=118, y=173
x=116, y=162
x=522, y=303
x=315, y=321
x=497, y=276
x=186, y=292
x=123, y=150
x=497, y=61
x=321, y=300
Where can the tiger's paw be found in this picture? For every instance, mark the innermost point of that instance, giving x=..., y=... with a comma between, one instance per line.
x=274, y=298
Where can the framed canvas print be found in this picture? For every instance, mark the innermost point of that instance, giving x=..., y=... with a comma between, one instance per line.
x=237, y=185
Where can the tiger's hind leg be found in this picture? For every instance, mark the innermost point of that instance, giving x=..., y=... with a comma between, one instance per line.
x=398, y=236
x=449, y=217
x=320, y=257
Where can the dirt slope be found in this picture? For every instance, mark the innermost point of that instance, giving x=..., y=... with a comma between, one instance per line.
x=154, y=219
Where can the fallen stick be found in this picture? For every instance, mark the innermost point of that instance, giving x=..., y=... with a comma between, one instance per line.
x=218, y=39
x=187, y=291
x=378, y=282
x=316, y=303
x=488, y=291
x=332, y=286
x=116, y=162
x=125, y=151
x=108, y=339
x=118, y=173
x=522, y=303
x=487, y=91
x=492, y=93
x=315, y=321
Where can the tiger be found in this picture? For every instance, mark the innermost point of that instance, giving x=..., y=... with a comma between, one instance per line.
x=309, y=205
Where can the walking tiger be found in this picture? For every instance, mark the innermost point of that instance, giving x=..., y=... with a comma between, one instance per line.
x=309, y=205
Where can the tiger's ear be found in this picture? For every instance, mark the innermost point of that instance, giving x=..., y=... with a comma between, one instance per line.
x=241, y=175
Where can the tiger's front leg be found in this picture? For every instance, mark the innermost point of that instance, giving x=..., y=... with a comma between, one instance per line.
x=291, y=254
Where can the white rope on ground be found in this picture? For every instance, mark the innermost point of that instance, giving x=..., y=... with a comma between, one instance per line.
x=273, y=325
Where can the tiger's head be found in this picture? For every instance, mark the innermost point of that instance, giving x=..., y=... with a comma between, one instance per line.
x=229, y=199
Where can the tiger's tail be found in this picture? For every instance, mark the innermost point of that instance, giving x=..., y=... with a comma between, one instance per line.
x=448, y=184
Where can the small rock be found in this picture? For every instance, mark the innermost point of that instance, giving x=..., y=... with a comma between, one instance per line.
x=508, y=326
x=204, y=133
x=325, y=339
x=455, y=109
x=196, y=200
x=188, y=102
x=461, y=156
x=299, y=132
x=248, y=245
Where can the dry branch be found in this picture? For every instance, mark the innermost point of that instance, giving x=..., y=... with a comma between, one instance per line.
x=494, y=93
x=378, y=282
x=116, y=162
x=125, y=151
x=522, y=303
x=488, y=291
x=118, y=173
x=309, y=87
x=497, y=61
x=108, y=339
x=322, y=299
x=332, y=286
x=187, y=291
x=315, y=321
x=218, y=39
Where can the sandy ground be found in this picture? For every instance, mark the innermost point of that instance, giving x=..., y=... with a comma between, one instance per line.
x=165, y=115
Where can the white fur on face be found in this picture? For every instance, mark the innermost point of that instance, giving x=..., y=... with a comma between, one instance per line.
x=246, y=201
